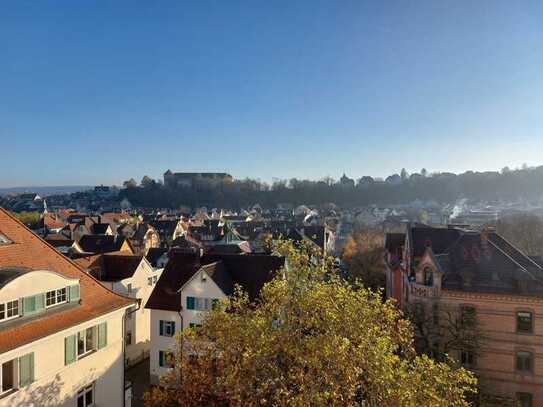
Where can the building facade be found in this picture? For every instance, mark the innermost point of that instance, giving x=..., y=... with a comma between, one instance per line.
x=61, y=332
x=465, y=278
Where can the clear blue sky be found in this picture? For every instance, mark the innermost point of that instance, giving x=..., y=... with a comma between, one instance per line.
x=97, y=92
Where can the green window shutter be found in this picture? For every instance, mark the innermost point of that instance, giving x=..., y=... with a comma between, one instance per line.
x=102, y=335
x=160, y=358
x=190, y=302
x=69, y=349
x=74, y=292
x=40, y=302
x=26, y=369
x=161, y=328
x=173, y=328
x=29, y=305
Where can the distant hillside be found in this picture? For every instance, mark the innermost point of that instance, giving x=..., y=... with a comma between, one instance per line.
x=45, y=191
x=507, y=185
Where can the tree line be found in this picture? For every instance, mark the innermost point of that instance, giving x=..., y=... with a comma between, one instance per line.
x=444, y=187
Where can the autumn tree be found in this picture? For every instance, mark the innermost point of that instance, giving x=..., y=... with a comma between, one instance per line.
x=362, y=255
x=311, y=339
x=525, y=231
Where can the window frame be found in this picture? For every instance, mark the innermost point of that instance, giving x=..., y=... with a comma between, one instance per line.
x=15, y=373
x=428, y=271
x=168, y=328
x=532, y=321
x=531, y=359
x=463, y=312
x=8, y=308
x=465, y=355
x=86, y=348
x=58, y=296
x=521, y=394
x=83, y=393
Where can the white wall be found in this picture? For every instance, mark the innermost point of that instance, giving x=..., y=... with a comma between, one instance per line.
x=57, y=385
x=32, y=283
x=138, y=322
x=159, y=343
x=196, y=287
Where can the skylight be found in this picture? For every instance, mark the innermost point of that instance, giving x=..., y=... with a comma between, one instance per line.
x=4, y=239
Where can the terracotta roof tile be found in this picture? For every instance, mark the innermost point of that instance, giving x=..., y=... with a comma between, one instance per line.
x=28, y=250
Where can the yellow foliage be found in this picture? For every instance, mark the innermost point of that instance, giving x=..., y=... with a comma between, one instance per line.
x=311, y=340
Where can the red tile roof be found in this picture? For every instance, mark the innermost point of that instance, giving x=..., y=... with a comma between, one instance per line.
x=28, y=250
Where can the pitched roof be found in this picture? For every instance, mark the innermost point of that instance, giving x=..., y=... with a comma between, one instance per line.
x=116, y=266
x=154, y=254
x=29, y=251
x=100, y=243
x=180, y=268
x=249, y=271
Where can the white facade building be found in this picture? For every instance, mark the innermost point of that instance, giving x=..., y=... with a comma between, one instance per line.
x=190, y=286
x=61, y=332
x=132, y=276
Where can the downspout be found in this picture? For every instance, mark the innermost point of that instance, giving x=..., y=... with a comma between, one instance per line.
x=124, y=347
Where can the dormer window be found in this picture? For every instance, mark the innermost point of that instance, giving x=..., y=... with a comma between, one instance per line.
x=54, y=297
x=4, y=239
x=428, y=277
x=9, y=310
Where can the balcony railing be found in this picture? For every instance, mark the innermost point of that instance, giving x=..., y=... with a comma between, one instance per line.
x=420, y=290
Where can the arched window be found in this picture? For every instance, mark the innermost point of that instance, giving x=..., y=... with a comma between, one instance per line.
x=428, y=276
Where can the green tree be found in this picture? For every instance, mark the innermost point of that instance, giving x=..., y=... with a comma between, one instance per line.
x=30, y=219
x=147, y=181
x=131, y=183
x=312, y=339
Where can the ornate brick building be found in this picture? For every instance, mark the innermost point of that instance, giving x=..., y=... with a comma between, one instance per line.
x=481, y=274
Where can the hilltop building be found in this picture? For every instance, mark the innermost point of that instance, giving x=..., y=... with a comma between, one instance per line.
x=194, y=179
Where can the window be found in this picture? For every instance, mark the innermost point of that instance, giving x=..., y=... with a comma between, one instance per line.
x=166, y=359
x=435, y=313
x=86, y=341
x=4, y=239
x=85, y=397
x=51, y=298
x=524, y=322
x=524, y=400
x=167, y=328
x=428, y=276
x=17, y=373
x=8, y=376
x=468, y=316
x=524, y=362
x=150, y=281
x=9, y=310
x=155, y=279
x=55, y=297
x=468, y=358
x=61, y=295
